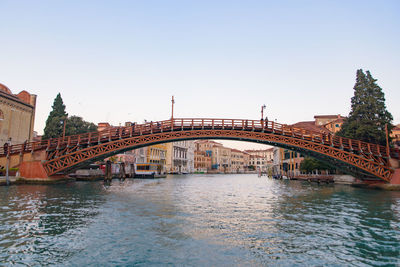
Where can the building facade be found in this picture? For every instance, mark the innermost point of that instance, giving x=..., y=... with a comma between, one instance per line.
x=17, y=116
x=202, y=162
x=180, y=157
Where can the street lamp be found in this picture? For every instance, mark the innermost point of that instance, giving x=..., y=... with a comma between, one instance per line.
x=262, y=111
x=262, y=115
x=172, y=102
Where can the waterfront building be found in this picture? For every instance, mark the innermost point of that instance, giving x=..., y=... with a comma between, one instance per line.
x=334, y=125
x=141, y=155
x=157, y=154
x=202, y=162
x=101, y=126
x=17, y=116
x=287, y=161
x=221, y=158
x=291, y=161
x=190, y=156
x=267, y=154
x=179, y=158
x=276, y=160
x=238, y=161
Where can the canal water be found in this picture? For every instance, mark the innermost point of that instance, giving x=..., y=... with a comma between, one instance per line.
x=199, y=220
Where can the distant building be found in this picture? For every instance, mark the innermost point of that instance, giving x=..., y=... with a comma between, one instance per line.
x=17, y=116
x=180, y=157
x=286, y=161
x=157, y=154
x=221, y=158
x=202, y=162
x=239, y=162
x=396, y=135
x=101, y=126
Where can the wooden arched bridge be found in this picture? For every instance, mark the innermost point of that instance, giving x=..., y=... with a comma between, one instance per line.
x=62, y=155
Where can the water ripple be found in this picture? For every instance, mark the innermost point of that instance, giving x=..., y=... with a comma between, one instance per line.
x=199, y=220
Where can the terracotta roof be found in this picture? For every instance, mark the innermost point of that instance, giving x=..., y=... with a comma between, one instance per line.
x=310, y=125
x=5, y=89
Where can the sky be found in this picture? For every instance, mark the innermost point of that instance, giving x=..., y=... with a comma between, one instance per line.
x=118, y=61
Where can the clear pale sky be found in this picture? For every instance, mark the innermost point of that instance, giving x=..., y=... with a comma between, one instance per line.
x=120, y=61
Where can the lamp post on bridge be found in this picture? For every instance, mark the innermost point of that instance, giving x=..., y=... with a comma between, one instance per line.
x=262, y=115
x=172, y=103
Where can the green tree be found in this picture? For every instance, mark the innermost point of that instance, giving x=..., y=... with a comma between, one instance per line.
x=54, y=122
x=76, y=125
x=368, y=115
x=310, y=164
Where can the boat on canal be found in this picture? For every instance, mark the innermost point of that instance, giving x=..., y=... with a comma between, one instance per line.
x=148, y=170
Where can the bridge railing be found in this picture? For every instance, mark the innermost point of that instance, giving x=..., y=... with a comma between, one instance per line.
x=115, y=133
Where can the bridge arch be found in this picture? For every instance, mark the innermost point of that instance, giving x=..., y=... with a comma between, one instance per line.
x=61, y=155
x=350, y=162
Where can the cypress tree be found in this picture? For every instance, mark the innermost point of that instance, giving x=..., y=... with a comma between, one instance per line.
x=368, y=115
x=55, y=120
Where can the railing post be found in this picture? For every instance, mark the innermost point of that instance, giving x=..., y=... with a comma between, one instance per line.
x=69, y=141
x=252, y=125
x=48, y=145
x=223, y=126
x=172, y=124
x=141, y=129
x=212, y=123
x=369, y=148
x=151, y=127
x=98, y=138
x=202, y=124
x=192, y=124
x=273, y=127
x=242, y=124
x=379, y=150
x=131, y=130
x=233, y=127
x=350, y=144
x=79, y=140
x=322, y=138
x=359, y=146
x=109, y=135
x=89, y=139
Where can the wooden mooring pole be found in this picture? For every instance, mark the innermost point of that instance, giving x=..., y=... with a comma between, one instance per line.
x=108, y=172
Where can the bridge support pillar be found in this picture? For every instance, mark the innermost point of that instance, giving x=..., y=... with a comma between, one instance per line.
x=32, y=170
x=396, y=177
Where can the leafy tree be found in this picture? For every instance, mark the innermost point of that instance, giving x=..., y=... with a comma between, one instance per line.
x=368, y=115
x=310, y=164
x=76, y=125
x=54, y=122
x=57, y=118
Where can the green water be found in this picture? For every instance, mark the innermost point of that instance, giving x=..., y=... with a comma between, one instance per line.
x=199, y=220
